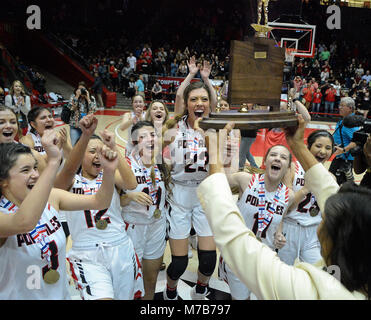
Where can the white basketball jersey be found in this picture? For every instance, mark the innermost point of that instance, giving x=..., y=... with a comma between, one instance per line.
x=301, y=213
x=22, y=266
x=248, y=205
x=189, y=154
x=82, y=224
x=37, y=142
x=135, y=213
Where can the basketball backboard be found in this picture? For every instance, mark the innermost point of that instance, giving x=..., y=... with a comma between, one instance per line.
x=299, y=37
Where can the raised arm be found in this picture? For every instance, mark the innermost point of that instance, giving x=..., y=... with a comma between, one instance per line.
x=205, y=73
x=124, y=177
x=67, y=201
x=65, y=178
x=32, y=207
x=179, y=103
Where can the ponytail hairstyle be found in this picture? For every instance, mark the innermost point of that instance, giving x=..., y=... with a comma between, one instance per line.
x=156, y=160
x=9, y=154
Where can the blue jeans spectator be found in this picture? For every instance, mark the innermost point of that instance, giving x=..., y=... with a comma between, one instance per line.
x=244, y=153
x=329, y=107
x=316, y=107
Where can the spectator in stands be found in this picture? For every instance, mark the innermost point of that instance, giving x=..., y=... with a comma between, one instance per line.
x=337, y=87
x=18, y=101
x=365, y=103
x=132, y=62
x=156, y=91
x=316, y=104
x=171, y=93
x=103, y=73
x=39, y=83
x=182, y=69
x=330, y=99
x=125, y=77
x=81, y=104
x=114, y=76
x=174, y=68
x=324, y=55
x=297, y=83
x=367, y=76
x=146, y=69
x=97, y=88
x=324, y=76
x=139, y=86
x=359, y=71
x=307, y=93
x=120, y=65
x=130, y=91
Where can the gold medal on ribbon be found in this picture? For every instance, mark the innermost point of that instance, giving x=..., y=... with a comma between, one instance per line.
x=51, y=277
x=313, y=211
x=101, y=224
x=157, y=214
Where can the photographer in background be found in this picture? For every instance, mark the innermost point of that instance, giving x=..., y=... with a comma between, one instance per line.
x=342, y=165
x=81, y=104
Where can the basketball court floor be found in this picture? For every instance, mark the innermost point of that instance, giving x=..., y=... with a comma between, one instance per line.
x=110, y=119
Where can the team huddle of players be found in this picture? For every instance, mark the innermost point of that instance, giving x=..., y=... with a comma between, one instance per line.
x=119, y=210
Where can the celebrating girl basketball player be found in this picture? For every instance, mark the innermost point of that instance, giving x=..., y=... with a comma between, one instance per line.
x=263, y=202
x=143, y=209
x=102, y=259
x=189, y=167
x=41, y=119
x=301, y=222
x=131, y=118
x=30, y=231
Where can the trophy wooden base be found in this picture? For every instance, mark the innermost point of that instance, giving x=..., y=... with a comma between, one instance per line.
x=250, y=120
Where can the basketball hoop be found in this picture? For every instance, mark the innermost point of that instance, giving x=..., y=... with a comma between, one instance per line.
x=289, y=55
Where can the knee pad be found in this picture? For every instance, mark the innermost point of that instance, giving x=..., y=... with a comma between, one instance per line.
x=177, y=267
x=207, y=261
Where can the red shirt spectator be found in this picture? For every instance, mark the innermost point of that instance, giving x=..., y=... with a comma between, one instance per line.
x=298, y=83
x=330, y=94
x=147, y=55
x=113, y=71
x=317, y=97
x=308, y=93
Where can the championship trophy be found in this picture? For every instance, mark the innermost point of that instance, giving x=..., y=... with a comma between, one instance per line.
x=255, y=83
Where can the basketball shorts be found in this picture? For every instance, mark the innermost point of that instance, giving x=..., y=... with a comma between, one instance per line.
x=148, y=240
x=186, y=211
x=301, y=242
x=110, y=271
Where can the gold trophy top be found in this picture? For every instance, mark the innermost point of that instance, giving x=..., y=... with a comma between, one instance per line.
x=262, y=29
